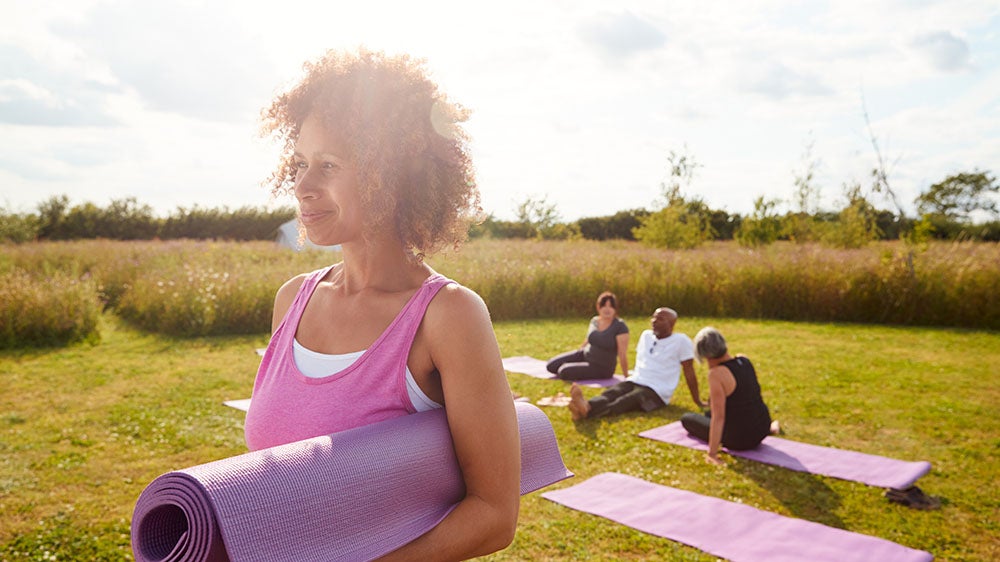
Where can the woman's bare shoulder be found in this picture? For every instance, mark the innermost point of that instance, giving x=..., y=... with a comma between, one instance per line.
x=284, y=298
x=290, y=287
x=455, y=302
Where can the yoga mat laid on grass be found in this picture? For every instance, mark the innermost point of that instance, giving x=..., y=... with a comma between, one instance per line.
x=730, y=530
x=536, y=368
x=353, y=495
x=815, y=459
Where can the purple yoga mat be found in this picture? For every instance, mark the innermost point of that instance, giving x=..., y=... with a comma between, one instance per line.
x=722, y=528
x=536, y=368
x=803, y=457
x=353, y=495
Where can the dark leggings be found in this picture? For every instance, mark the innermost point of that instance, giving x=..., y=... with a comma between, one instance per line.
x=624, y=397
x=698, y=425
x=571, y=366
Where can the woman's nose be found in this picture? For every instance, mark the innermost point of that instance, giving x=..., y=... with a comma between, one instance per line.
x=304, y=186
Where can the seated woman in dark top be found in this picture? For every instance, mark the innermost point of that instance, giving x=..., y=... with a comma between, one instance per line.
x=607, y=341
x=738, y=417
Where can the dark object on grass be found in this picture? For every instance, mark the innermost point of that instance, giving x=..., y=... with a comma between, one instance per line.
x=913, y=497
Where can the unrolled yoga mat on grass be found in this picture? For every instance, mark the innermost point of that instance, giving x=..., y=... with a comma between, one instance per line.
x=353, y=495
x=730, y=530
x=536, y=368
x=815, y=459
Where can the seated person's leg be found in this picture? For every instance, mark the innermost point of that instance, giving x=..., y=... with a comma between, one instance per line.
x=581, y=371
x=637, y=398
x=598, y=405
x=697, y=425
x=569, y=357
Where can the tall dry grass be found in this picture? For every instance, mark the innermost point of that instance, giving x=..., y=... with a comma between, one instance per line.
x=202, y=288
x=946, y=284
x=46, y=310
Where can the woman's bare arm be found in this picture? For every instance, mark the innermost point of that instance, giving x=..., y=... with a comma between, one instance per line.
x=717, y=402
x=483, y=426
x=622, y=340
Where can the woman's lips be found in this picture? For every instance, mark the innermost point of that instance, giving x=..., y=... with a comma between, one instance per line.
x=310, y=217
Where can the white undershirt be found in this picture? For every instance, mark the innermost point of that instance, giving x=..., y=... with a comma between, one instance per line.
x=317, y=365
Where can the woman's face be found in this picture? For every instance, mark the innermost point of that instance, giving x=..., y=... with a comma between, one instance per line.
x=606, y=310
x=326, y=186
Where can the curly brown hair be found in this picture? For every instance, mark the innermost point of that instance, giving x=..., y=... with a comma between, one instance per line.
x=411, y=153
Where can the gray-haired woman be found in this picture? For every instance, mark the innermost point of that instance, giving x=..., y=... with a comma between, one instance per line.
x=738, y=418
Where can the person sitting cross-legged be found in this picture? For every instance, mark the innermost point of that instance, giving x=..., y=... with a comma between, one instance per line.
x=660, y=357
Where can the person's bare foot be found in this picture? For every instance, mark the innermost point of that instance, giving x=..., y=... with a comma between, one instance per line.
x=578, y=405
x=775, y=428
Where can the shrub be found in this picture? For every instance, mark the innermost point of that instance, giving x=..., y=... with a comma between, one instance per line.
x=17, y=227
x=55, y=309
x=673, y=227
x=761, y=228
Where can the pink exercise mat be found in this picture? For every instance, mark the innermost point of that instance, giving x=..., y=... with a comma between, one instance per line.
x=815, y=459
x=730, y=530
x=536, y=368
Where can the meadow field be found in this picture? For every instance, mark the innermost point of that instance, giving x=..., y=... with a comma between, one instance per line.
x=136, y=346
x=51, y=293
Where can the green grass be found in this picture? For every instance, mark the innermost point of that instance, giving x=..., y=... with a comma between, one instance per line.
x=83, y=429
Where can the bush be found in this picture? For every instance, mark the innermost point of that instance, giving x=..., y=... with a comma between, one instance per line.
x=245, y=223
x=761, y=228
x=673, y=227
x=55, y=309
x=17, y=227
x=618, y=226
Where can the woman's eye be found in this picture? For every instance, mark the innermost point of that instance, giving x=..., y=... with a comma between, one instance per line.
x=299, y=165
x=329, y=166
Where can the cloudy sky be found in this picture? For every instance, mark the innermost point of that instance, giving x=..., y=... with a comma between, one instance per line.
x=575, y=101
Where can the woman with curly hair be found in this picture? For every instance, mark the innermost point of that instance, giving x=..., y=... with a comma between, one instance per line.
x=376, y=158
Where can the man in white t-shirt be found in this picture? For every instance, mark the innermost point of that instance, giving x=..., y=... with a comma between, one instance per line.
x=660, y=357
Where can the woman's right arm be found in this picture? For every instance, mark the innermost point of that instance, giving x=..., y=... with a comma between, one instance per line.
x=717, y=402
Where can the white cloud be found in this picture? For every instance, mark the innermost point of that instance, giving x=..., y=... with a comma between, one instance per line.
x=621, y=35
x=942, y=50
x=778, y=81
x=182, y=58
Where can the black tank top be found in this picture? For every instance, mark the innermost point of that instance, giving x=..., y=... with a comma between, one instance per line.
x=748, y=420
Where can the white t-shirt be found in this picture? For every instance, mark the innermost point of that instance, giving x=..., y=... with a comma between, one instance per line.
x=658, y=362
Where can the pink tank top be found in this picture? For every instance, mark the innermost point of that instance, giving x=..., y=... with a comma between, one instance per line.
x=288, y=406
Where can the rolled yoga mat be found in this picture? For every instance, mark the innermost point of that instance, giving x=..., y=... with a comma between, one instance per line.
x=353, y=495
x=730, y=530
x=815, y=459
x=536, y=368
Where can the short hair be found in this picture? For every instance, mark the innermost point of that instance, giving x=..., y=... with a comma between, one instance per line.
x=709, y=344
x=607, y=296
x=414, y=164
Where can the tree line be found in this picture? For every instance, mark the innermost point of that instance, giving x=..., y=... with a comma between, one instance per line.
x=946, y=210
x=127, y=219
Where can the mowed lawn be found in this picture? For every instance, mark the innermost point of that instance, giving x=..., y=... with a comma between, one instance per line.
x=83, y=430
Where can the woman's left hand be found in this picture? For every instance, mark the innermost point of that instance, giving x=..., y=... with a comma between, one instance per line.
x=714, y=459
